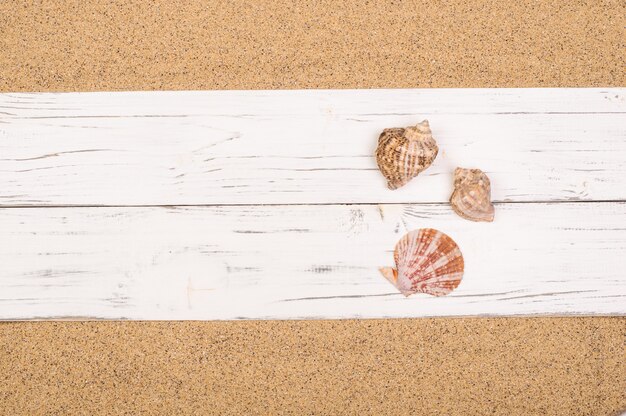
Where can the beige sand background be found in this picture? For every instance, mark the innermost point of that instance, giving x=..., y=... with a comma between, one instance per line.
x=520, y=366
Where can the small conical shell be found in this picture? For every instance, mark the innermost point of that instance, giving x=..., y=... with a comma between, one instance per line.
x=403, y=153
x=427, y=261
x=471, y=198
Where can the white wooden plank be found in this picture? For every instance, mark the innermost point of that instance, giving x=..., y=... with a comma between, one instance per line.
x=298, y=147
x=303, y=261
x=306, y=102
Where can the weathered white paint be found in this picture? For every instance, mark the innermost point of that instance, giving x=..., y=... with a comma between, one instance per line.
x=100, y=195
x=303, y=261
x=306, y=147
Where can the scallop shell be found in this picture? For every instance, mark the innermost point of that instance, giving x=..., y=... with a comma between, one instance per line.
x=471, y=198
x=403, y=153
x=427, y=261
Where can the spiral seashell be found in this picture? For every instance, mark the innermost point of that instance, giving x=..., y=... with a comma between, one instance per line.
x=471, y=198
x=403, y=153
x=427, y=261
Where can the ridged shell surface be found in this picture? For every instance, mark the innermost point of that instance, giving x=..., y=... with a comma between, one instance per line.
x=427, y=261
x=471, y=198
x=403, y=153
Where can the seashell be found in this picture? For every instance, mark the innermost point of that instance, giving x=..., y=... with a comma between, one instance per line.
x=403, y=153
x=471, y=198
x=427, y=261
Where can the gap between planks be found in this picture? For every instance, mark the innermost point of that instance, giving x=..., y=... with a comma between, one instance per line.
x=497, y=203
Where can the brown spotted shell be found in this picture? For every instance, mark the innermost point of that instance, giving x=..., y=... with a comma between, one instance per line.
x=471, y=198
x=427, y=261
x=403, y=153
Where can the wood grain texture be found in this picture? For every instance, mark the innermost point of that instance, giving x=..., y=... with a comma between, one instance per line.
x=269, y=204
x=300, y=262
x=304, y=147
